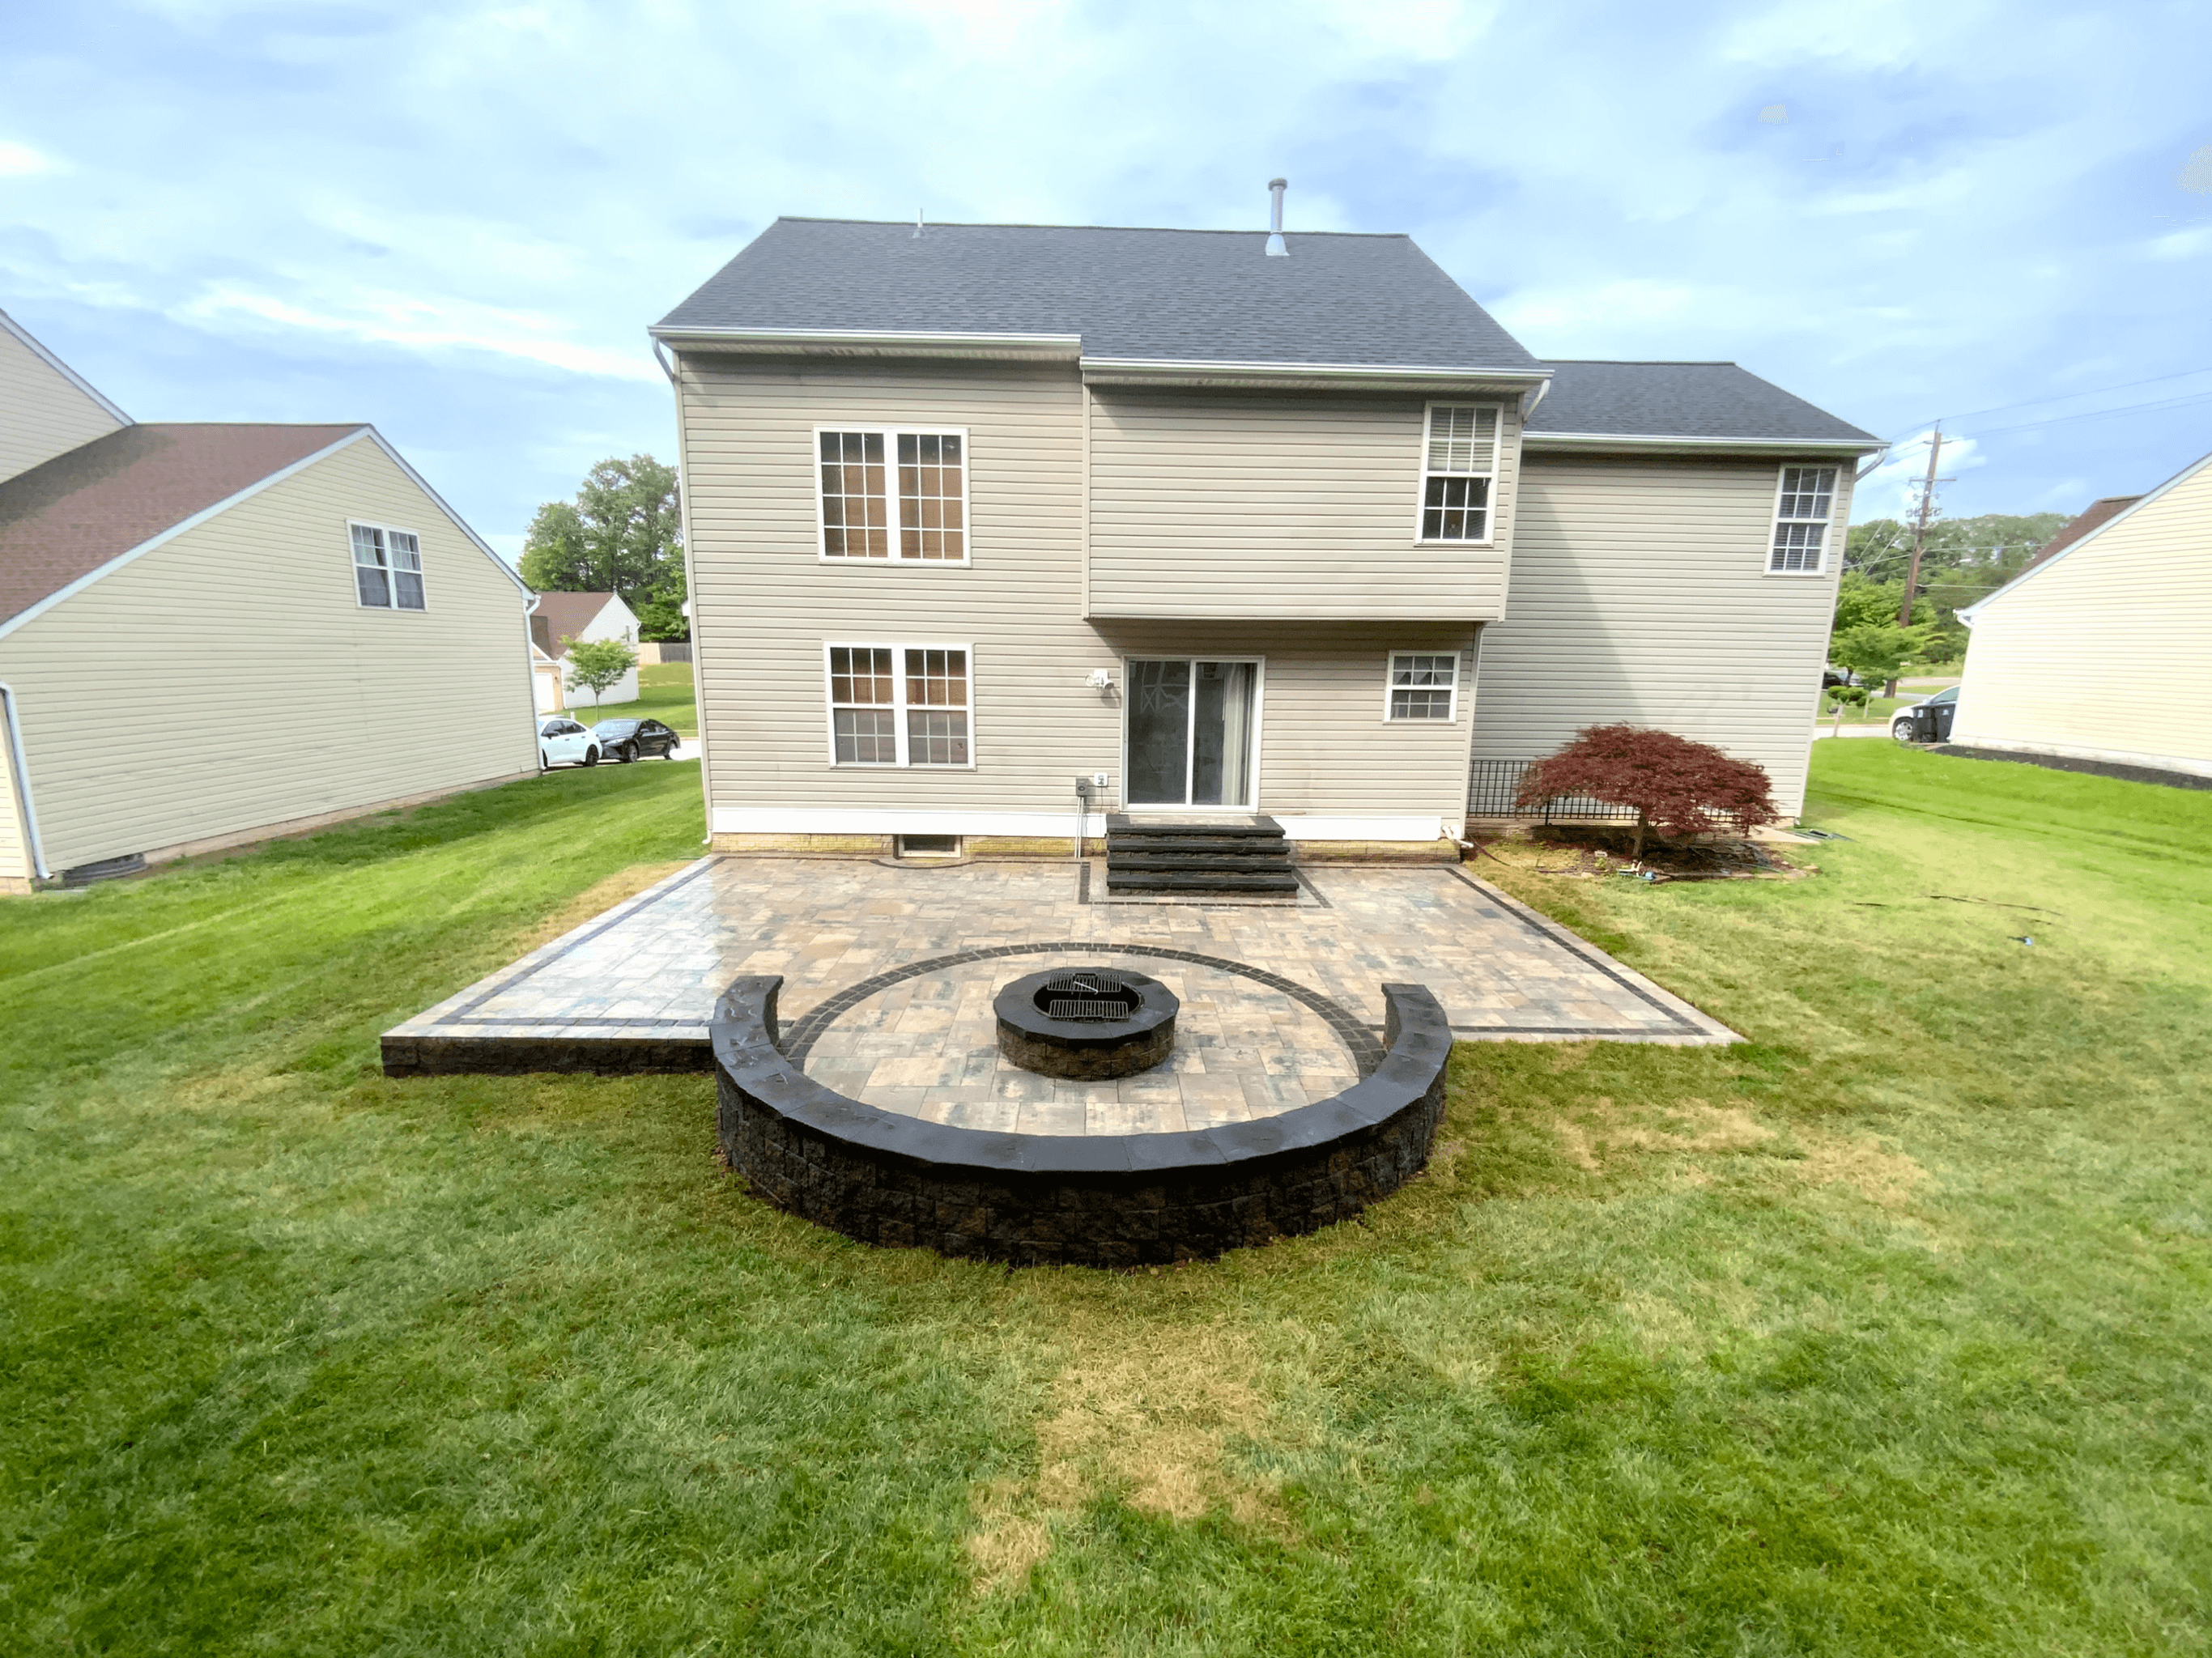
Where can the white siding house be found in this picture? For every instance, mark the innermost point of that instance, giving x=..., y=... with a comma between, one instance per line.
x=2099, y=653
x=211, y=633
x=559, y=617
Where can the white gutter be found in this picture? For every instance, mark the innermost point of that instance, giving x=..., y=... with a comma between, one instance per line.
x=873, y=343
x=18, y=770
x=1154, y=370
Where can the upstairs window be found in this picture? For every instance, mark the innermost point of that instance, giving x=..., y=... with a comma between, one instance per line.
x=890, y=494
x=1423, y=686
x=1800, y=521
x=1459, y=469
x=387, y=568
x=898, y=705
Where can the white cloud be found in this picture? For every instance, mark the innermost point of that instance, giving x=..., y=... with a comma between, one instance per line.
x=22, y=162
x=1892, y=488
x=420, y=324
x=2181, y=244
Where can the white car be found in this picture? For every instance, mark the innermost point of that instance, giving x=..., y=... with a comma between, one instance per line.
x=1900, y=723
x=560, y=741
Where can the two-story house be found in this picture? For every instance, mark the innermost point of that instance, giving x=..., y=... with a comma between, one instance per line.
x=978, y=516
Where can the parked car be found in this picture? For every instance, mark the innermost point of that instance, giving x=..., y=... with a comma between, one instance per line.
x=632, y=740
x=1902, y=725
x=560, y=742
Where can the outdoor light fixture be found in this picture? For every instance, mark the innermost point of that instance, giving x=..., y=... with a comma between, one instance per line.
x=1102, y=679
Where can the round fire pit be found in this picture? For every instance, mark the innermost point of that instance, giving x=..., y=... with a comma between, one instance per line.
x=1086, y=1023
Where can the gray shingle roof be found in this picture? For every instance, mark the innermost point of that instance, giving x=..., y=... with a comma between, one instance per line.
x=1173, y=295
x=1681, y=400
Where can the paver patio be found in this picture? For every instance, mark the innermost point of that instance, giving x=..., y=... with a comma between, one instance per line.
x=888, y=970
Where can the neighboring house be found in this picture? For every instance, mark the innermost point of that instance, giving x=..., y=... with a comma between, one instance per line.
x=979, y=513
x=561, y=618
x=547, y=689
x=214, y=633
x=2097, y=651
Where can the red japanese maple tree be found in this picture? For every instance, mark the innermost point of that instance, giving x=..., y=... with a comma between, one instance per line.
x=1677, y=786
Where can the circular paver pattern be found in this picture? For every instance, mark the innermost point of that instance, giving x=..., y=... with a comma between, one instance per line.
x=926, y=1046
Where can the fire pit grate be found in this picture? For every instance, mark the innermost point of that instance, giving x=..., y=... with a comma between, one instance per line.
x=1085, y=1022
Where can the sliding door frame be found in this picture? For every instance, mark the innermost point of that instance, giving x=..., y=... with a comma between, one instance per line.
x=1259, y=662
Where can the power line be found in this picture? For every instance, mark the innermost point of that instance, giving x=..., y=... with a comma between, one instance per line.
x=2061, y=396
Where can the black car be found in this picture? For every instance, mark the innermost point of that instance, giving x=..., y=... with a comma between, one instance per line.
x=632, y=740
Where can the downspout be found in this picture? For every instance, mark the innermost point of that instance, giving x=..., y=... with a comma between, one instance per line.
x=691, y=588
x=18, y=772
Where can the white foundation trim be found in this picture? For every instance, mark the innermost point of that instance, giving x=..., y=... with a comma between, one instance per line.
x=1300, y=826
x=2067, y=751
x=840, y=820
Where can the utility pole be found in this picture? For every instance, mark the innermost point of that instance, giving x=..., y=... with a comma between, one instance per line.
x=1919, y=536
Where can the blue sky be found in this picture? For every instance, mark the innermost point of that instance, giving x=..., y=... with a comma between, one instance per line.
x=456, y=220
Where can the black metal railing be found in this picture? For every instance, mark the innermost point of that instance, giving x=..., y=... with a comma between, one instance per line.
x=1496, y=782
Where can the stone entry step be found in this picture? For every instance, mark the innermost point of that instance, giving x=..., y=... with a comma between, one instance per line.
x=1199, y=881
x=1181, y=855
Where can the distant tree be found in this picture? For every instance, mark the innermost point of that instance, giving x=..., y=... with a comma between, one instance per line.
x=1861, y=602
x=595, y=665
x=1876, y=650
x=623, y=534
x=1677, y=786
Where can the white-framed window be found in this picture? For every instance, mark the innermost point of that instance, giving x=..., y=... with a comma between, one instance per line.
x=387, y=568
x=1459, y=472
x=1424, y=685
x=1802, y=507
x=899, y=494
x=899, y=704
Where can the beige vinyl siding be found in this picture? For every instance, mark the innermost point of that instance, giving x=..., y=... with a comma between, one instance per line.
x=15, y=868
x=1640, y=595
x=764, y=604
x=1325, y=747
x=1273, y=506
x=2102, y=654
x=228, y=679
x=42, y=413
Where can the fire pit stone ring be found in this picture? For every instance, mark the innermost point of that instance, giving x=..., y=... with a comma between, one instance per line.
x=1086, y=1024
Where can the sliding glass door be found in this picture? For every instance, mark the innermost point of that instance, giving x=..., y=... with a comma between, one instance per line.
x=1190, y=725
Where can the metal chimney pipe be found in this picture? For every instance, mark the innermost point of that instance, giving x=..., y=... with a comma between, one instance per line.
x=1275, y=248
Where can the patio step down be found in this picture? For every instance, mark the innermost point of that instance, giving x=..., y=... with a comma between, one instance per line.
x=1208, y=859
x=1241, y=855
x=1199, y=881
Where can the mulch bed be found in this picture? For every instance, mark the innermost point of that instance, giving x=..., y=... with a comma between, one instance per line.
x=1594, y=851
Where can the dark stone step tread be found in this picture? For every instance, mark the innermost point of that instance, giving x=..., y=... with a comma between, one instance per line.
x=1246, y=846
x=1118, y=824
x=1194, y=861
x=1162, y=881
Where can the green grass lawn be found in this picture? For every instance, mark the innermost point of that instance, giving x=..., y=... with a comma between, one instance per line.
x=663, y=693
x=1884, y=1334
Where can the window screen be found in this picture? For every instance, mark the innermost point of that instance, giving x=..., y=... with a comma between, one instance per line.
x=1422, y=686
x=1459, y=467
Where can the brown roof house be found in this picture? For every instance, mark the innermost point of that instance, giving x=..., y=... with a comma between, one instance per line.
x=561, y=617
x=211, y=633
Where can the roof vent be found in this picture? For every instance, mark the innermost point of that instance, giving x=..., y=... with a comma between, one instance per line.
x=1275, y=248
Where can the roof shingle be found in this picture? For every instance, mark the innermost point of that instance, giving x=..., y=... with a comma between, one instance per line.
x=1132, y=295
x=1709, y=400
x=70, y=516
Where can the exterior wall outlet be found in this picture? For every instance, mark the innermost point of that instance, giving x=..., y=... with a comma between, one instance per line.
x=1097, y=780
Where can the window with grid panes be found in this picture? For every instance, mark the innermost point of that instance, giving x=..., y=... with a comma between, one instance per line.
x=933, y=517
x=920, y=514
x=1422, y=685
x=1459, y=467
x=936, y=707
x=863, y=706
x=387, y=568
x=1800, y=520
x=855, y=510
x=899, y=704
